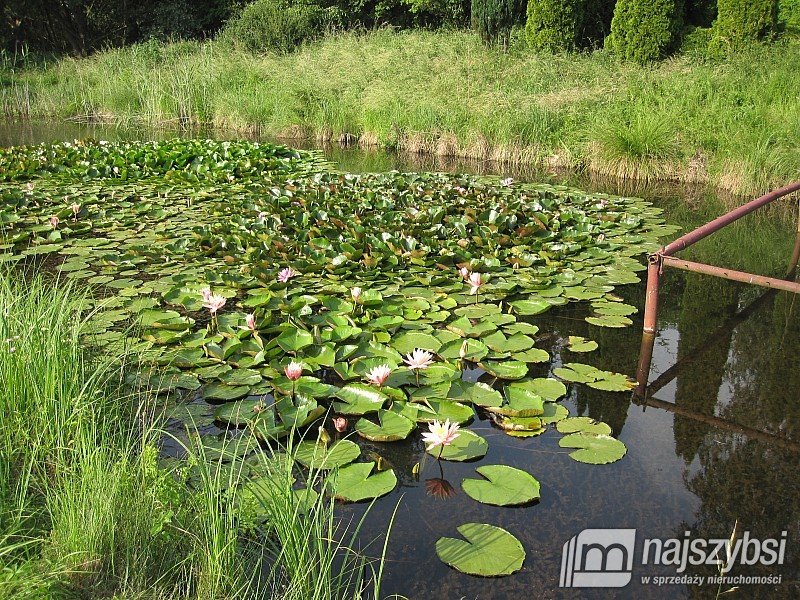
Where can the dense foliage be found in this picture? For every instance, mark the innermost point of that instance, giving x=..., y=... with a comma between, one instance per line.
x=645, y=30
x=279, y=25
x=554, y=25
x=741, y=21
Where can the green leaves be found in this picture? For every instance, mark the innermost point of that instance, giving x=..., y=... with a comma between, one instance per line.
x=392, y=427
x=356, y=482
x=593, y=448
x=502, y=486
x=319, y=456
x=593, y=377
x=488, y=551
x=467, y=446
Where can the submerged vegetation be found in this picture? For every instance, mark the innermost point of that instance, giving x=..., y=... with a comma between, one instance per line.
x=731, y=122
x=274, y=296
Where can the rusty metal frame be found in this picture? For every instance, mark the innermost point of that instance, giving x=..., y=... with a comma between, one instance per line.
x=665, y=257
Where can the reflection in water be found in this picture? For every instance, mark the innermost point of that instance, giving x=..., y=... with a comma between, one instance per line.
x=707, y=302
x=680, y=474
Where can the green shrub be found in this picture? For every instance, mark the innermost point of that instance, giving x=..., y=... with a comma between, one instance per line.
x=645, y=30
x=554, y=25
x=789, y=14
x=493, y=20
x=742, y=21
x=275, y=25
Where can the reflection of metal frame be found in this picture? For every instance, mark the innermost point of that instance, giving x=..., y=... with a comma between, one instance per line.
x=664, y=257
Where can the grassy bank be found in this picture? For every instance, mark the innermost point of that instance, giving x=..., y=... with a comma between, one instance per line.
x=732, y=122
x=87, y=512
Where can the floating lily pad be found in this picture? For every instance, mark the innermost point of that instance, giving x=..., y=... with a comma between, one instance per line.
x=593, y=449
x=319, y=456
x=576, y=343
x=488, y=551
x=467, y=446
x=583, y=425
x=502, y=486
x=357, y=482
x=392, y=427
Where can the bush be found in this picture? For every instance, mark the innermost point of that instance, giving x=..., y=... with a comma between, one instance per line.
x=742, y=21
x=645, y=30
x=276, y=25
x=554, y=25
x=493, y=20
x=789, y=14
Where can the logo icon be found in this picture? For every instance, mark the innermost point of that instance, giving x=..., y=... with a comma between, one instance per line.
x=598, y=558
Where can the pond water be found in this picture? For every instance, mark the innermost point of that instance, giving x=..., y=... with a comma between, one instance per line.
x=719, y=445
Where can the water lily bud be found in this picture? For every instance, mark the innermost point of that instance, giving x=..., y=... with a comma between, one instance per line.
x=323, y=437
x=356, y=293
x=340, y=423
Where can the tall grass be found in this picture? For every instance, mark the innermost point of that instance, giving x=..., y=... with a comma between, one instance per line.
x=85, y=509
x=730, y=121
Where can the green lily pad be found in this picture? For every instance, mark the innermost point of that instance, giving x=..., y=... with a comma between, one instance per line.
x=359, y=399
x=357, y=482
x=468, y=445
x=583, y=425
x=393, y=427
x=502, y=486
x=319, y=456
x=593, y=449
x=488, y=551
x=576, y=343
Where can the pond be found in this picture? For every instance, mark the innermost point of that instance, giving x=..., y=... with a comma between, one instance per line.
x=718, y=445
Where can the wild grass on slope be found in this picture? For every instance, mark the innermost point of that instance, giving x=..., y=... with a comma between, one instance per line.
x=732, y=122
x=85, y=509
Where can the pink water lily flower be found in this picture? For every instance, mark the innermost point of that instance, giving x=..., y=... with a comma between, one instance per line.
x=356, y=293
x=475, y=282
x=286, y=274
x=294, y=370
x=506, y=182
x=54, y=221
x=250, y=321
x=440, y=434
x=340, y=424
x=76, y=208
x=464, y=271
x=419, y=359
x=378, y=375
x=213, y=302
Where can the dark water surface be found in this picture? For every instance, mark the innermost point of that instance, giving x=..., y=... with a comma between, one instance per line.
x=721, y=445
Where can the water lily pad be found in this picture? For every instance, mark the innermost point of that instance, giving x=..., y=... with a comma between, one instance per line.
x=488, y=551
x=359, y=399
x=502, y=486
x=576, y=343
x=509, y=369
x=468, y=445
x=593, y=449
x=583, y=425
x=392, y=427
x=357, y=482
x=317, y=455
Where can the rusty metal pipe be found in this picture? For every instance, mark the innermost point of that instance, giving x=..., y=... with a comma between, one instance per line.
x=767, y=282
x=745, y=209
x=651, y=297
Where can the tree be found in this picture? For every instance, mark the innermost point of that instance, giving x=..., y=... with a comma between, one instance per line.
x=645, y=30
x=742, y=21
x=554, y=25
